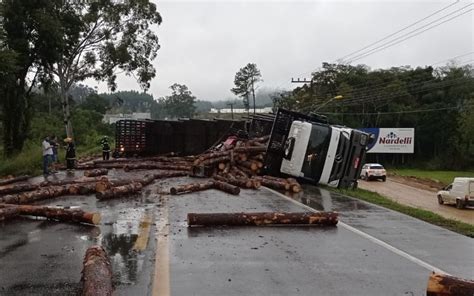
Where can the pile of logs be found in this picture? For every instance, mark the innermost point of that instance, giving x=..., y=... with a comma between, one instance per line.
x=446, y=285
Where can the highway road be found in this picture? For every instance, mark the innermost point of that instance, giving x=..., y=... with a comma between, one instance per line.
x=372, y=251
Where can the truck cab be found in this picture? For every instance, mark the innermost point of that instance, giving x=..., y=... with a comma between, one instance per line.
x=315, y=151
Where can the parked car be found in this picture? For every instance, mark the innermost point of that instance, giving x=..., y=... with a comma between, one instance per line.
x=373, y=171
x=460, y=193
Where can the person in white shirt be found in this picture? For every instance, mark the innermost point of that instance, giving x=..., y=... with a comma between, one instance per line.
x=47, y=155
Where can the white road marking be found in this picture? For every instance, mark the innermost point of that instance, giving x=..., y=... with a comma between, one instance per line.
x=369, y=237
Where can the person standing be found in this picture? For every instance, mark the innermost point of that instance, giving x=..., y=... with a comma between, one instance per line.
x=70, y=155
x=105, y=148
x=54, y=145
x=47, y=155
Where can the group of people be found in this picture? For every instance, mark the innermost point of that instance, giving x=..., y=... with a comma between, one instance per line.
x=50, y=147
x=50, y=153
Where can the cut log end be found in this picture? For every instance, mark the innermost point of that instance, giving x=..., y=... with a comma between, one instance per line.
x=446, y=285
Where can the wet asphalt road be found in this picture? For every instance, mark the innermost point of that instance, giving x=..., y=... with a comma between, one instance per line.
x=45, y=258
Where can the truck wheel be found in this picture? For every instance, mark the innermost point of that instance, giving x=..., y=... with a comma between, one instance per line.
x=367, y=177
x=384, y=178
x=440, y=200
x=459, y=204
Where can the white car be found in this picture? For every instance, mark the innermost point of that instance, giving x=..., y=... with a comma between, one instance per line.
x=373, y=171
x=460, y=193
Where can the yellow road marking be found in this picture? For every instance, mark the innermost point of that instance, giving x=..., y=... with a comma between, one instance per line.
x=161, y=280
x=143, y=233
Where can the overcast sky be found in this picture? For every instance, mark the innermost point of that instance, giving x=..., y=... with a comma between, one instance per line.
x=204, y=43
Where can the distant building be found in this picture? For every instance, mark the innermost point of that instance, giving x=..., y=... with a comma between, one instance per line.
x=241, y=110
x=113, y=118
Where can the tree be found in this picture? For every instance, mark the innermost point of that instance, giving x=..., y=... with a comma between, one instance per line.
x=98, y=39
x=181, y=102
x=97, y=103
x=20, y=32
x=245, y=81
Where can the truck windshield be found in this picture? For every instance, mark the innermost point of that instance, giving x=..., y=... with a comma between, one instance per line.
x=316, y=152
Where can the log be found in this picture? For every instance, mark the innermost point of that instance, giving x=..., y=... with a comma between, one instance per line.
x=222, y=166
x=248, y=172
x=446, y=285
x=59, y=214
x=7, y=213
x=258, y=157
x=210, y=155
x=4, y=182
x=238, y=172
x=294, y=185
x=242, y=183
x=279, y=185
x=17, y=188
x=173, y=167
x=194, y=187
x=119, y=191
x=226, y=187
x=261, y=219
x=72, y=181
x=243, y=157
x=249, y=165
x=251, y=149
x=81, y=189
x=32, y=196
x=164, y=175
x=97, y=273
x=202, y=171
x=214, y=161
x=263, y=139
x=96, y=172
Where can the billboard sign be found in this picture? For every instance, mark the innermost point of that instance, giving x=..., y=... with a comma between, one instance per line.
x=391, y=140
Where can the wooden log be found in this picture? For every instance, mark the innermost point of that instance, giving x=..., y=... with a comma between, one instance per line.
x=226, y=187
x=59, y=214
x=194, y=187
x=96, y=273
x=248, y=172
x=249, y=165
x=214, y=161
x=4, y=182
x=294, y=185
x=226, y=169
x=263, y=139
x=243, y=157
x=222, y=166
x=17, y=188
x=251, y=150
x=210, y=155
x=81, y=189
x=238, y=172
x=119, y=191
x=261, y=219
x=202, y=171
x=242, y=183
x=258, y=157
x=279, y=185
x=96, y=172
x=72, y=181
x=36, y=195
x=173, y=167
x=164, y=175
x=7, y=213
x=446, y=285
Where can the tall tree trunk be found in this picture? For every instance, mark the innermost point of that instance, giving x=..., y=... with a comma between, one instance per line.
x=66, y=109
x=253, y=95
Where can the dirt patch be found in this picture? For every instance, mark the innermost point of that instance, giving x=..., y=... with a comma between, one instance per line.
x=426, y=184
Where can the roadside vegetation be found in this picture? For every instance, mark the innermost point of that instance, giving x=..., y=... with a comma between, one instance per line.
x=444, y=177
x=430, y=217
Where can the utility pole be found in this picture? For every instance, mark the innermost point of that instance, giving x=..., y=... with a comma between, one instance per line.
x=231, y=109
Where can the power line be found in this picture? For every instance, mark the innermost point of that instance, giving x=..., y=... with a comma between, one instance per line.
x=401, y=30
x=453, y=58
x=395, y=112
x=398, y=40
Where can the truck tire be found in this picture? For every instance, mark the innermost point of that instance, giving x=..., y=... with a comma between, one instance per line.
x=440, y=200
x=384, y=178
x=459, y=204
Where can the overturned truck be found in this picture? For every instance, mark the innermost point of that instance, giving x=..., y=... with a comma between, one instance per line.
x=303, y=146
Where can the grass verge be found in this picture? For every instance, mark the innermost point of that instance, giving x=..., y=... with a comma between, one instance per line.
x=430, y=217
x=445, y=177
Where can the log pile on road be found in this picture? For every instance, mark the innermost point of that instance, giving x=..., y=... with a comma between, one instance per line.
x=12, y=180
x=97, y=273
x=96, y=172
